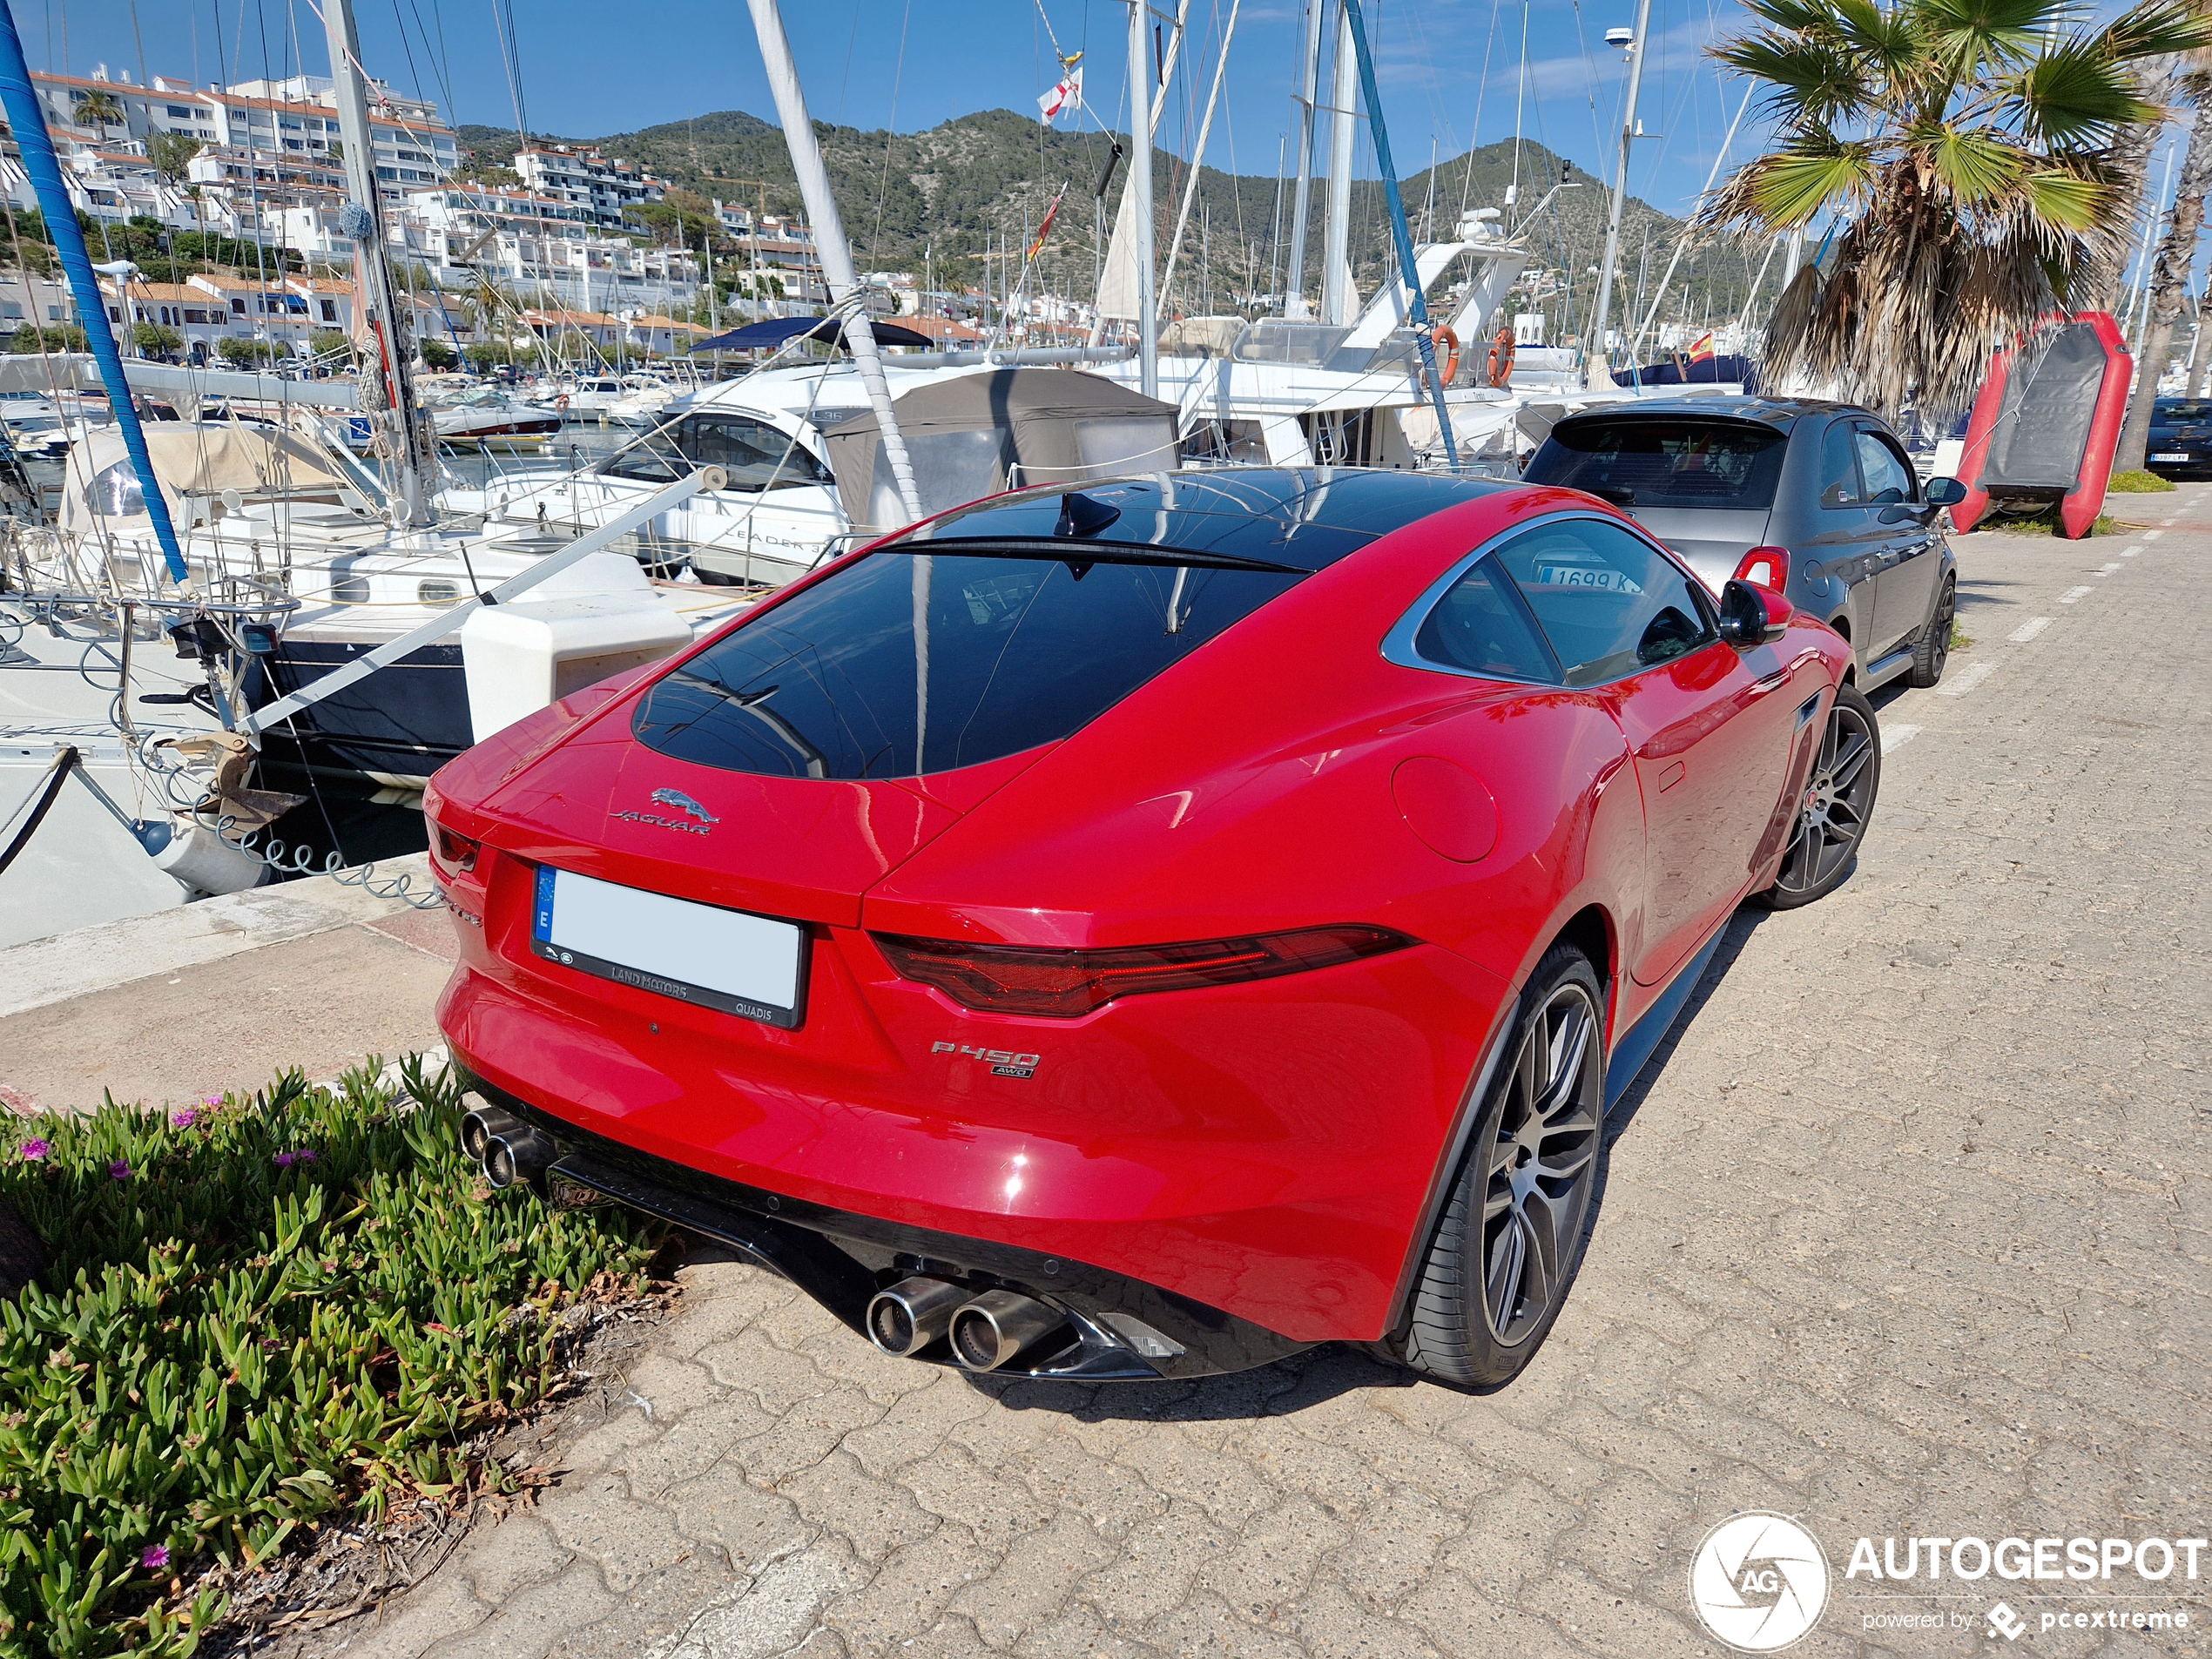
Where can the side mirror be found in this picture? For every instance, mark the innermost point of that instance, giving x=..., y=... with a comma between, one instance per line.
x=1945, y=492
x=1752, y=616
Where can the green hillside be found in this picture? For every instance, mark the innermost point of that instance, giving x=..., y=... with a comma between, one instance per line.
x=938, y=197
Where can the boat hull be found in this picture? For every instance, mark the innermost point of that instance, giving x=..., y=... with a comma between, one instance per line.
x=397, y=726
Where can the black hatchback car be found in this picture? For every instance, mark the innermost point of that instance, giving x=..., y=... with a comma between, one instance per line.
x=1814, y=500
x=2180, y=437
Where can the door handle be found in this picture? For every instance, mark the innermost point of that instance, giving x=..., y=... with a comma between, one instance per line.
x=1671, y=776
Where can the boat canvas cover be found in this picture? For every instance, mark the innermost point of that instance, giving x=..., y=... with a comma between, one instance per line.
x=1004, y=429
x=48, y=372
x=2041, y=431
x=201, y=458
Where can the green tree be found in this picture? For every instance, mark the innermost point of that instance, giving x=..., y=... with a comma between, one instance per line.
x=243, y=352
x=172, y=154
x=438, y=355
x=486, y=353
x=326, y=342
x=1965, y=148
x=155, y=339
x=30, y=337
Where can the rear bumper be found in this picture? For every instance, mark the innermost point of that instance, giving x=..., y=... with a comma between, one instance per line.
x=841, y=1258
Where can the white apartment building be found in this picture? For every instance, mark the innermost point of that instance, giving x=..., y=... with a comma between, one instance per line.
x=295, y=119
x=607, y=190
x=547, y=250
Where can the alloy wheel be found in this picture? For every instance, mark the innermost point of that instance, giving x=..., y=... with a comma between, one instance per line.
x=1832, y=818
x=1539, y=1163
x=1947, y=611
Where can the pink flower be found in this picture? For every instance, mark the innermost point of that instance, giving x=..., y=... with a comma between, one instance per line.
x=185, y=1118
x=307, y=1155
x=34, y=1151
x=156, y=1555
x=284, y=1160
x=120, y=1169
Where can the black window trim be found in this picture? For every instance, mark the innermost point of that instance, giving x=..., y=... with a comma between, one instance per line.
x=1400, y=645
x=1868, y=424
x=1850, y=424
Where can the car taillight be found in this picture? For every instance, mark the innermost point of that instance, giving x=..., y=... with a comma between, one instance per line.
x=1765, y=567
x=1064, y=984
x=455, y=853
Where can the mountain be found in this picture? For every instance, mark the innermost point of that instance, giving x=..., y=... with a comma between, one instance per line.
x=935, y=200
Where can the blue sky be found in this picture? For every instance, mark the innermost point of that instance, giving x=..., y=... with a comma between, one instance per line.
x=588, y=69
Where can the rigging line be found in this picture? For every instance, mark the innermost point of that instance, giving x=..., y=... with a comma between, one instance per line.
x=139, y=40
x=1520, y=100
x=507, y=60
x=890, y=133
x=1482, y=91
x=1590, y=83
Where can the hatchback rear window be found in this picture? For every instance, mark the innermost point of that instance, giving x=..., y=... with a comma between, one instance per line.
x=1645, y=463
x=908, y=662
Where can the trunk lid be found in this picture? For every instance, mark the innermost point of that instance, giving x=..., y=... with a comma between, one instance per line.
x=1713, y=539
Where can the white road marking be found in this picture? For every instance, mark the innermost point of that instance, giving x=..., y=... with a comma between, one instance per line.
x=2072, y=594
x=2129, y=552
x=2027, y=630
x=2106, y=569
x=1896, y=737
x=1960, y=685
x=2151, y=536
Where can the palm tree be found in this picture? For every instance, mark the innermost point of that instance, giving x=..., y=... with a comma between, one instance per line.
x=99, y=110
x=1964, y=153
x=2170, y=275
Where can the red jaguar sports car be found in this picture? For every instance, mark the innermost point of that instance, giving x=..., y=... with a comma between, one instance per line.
x=1150, y=929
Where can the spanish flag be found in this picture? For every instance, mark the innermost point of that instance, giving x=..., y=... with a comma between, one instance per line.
x=1701, y=349
x=1045, y=229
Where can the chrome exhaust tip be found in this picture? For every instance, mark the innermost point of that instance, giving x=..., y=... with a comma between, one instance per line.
x=517, y=1156
x=479, y=1126
x=996, y=1325
x=912, y=1315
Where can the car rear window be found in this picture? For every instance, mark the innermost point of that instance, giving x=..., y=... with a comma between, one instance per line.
x=908, y=662
x=1647, y=462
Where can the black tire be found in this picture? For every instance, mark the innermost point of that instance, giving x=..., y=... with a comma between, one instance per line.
x=713, y=578
x=1522, y=1196
x=1933, y=650
x=1836, y=807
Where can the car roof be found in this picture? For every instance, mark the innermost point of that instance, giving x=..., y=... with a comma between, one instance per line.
x=1306, y=516
x=1780, y=412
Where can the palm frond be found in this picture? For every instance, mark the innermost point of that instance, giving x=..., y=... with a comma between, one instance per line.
x=2157, y=29
x=2065, y=202
x=1790, y=187
x=1973, y=36
x=2075, y=94
x=1811, y=81
x=1977, y=166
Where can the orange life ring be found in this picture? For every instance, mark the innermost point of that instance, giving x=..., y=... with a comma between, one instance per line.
x=1446, y=342
x=561, y=403
x=1502, y=356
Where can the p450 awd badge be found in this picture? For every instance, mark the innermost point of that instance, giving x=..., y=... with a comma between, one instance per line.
x=1003, y=1062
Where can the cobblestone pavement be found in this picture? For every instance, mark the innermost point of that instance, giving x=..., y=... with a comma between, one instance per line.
x=1906, y=1233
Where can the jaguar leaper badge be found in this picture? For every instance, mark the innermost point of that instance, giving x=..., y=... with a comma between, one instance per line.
x=682, y=803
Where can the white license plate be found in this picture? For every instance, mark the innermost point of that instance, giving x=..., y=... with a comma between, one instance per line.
x=2171, y=455
x=742, y=964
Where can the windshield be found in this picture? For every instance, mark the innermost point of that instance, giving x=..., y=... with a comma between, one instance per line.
x=2171, y=409
x=1640, y=462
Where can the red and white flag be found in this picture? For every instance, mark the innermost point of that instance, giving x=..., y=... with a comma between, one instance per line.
x=1066, y=95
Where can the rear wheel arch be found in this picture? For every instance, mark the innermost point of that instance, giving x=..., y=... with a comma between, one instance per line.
x=1590, y=930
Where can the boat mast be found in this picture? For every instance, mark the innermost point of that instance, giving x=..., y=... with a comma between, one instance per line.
x=838, y=271
x=44, y=169
x=1336, y=253
x=413, y=447
x=1409, y=271
x=1598, y=367
x=1140, y=184
x=1309, y=90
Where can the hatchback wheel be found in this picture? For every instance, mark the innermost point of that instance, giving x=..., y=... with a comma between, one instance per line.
x=1934, y=649
x=1498, y=1269
x=1836, y=807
